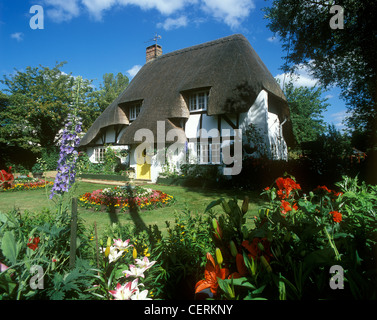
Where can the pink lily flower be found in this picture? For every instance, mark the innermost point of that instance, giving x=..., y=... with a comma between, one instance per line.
x=134, y=272
x=122, y=245
x=125, y=291
x=3, y=267
x=144, y=264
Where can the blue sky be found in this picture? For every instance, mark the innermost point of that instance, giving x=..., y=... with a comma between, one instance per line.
x=96, y=37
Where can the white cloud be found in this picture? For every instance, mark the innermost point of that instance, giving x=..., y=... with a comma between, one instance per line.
x=170, y=24
x=232, y=12
x=134, y=70
x=19, y=36
x=301, y=78
x=62, y=10
x=338, y=118
x=96, y=7
x=273, y=39
x=166, y=7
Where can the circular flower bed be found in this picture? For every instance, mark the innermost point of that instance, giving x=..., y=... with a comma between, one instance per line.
x=125, y=198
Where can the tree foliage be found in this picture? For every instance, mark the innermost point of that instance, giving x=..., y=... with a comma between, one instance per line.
x=110, y=89
x=35, y=105
x=306, y=106
x=342, y=57
x=38, y=102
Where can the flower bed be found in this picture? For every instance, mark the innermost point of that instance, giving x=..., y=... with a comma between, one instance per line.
x=124, y=198
x=27, y=184
x=299, y=247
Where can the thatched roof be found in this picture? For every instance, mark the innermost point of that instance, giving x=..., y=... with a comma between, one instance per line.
x=229, y=67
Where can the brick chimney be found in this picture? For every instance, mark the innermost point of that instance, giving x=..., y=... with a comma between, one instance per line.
x=153, y=52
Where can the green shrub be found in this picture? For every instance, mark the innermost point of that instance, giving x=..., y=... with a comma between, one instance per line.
x=41, y=240
x=50, y=157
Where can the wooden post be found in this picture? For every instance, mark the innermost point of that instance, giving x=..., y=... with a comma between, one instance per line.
x=72, y=256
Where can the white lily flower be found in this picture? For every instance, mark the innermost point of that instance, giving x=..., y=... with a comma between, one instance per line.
x=122, y=245
x=125, y=291
x=144, y=264
x=140, y=295
x=114, y=254
x=134, y=272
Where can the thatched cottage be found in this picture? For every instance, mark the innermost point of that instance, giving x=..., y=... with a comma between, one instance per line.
x=220, y=88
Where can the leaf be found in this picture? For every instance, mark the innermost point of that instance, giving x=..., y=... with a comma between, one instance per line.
x=213, y=204
x=227, y=287
x=7, y=284
x=320, y=257
x=282, y=292
x=9, y=248
x=3, y=218
x=244, y=282
x=249, y=263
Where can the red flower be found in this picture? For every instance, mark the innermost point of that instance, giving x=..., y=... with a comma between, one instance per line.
x=211, y=273
x=33, y=244
x=286, y=186
x=322, y=189
x=286, y=206
x=336, y=216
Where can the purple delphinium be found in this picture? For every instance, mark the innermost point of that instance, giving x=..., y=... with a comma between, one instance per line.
x=68, y=156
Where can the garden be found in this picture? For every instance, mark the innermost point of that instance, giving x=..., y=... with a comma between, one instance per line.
x=73, y=240
x=290, y=244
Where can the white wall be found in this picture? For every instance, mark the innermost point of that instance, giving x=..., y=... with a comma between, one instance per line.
x=192, y=126
x=278, y=145
x=268, y=124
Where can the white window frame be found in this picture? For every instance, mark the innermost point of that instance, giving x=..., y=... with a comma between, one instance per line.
x=215, y=153
x=198, y=101
x=134, y=111
x=209, y=153
x=203, y=153
x=99, y=154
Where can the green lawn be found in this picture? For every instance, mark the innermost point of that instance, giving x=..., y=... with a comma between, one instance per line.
x=194, y=199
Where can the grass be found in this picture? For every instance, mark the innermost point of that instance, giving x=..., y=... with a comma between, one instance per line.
x=194, y=199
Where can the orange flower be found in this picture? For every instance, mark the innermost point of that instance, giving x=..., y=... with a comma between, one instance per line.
x=336, y=216
x=211, y=273
x=286, y=207
x=241, y=267
x=286, y=186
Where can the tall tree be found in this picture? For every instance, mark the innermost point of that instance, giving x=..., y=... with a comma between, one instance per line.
x=111, y=87
x=36, y=107
x=306, y=106
x=342, y=57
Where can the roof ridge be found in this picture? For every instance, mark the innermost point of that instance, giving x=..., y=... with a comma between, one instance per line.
x=203, y=45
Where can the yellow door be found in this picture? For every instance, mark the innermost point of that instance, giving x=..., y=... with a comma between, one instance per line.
x=143, y=167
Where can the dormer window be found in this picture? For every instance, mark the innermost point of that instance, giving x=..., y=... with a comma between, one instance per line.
x=134, y=111
x=198, y=101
